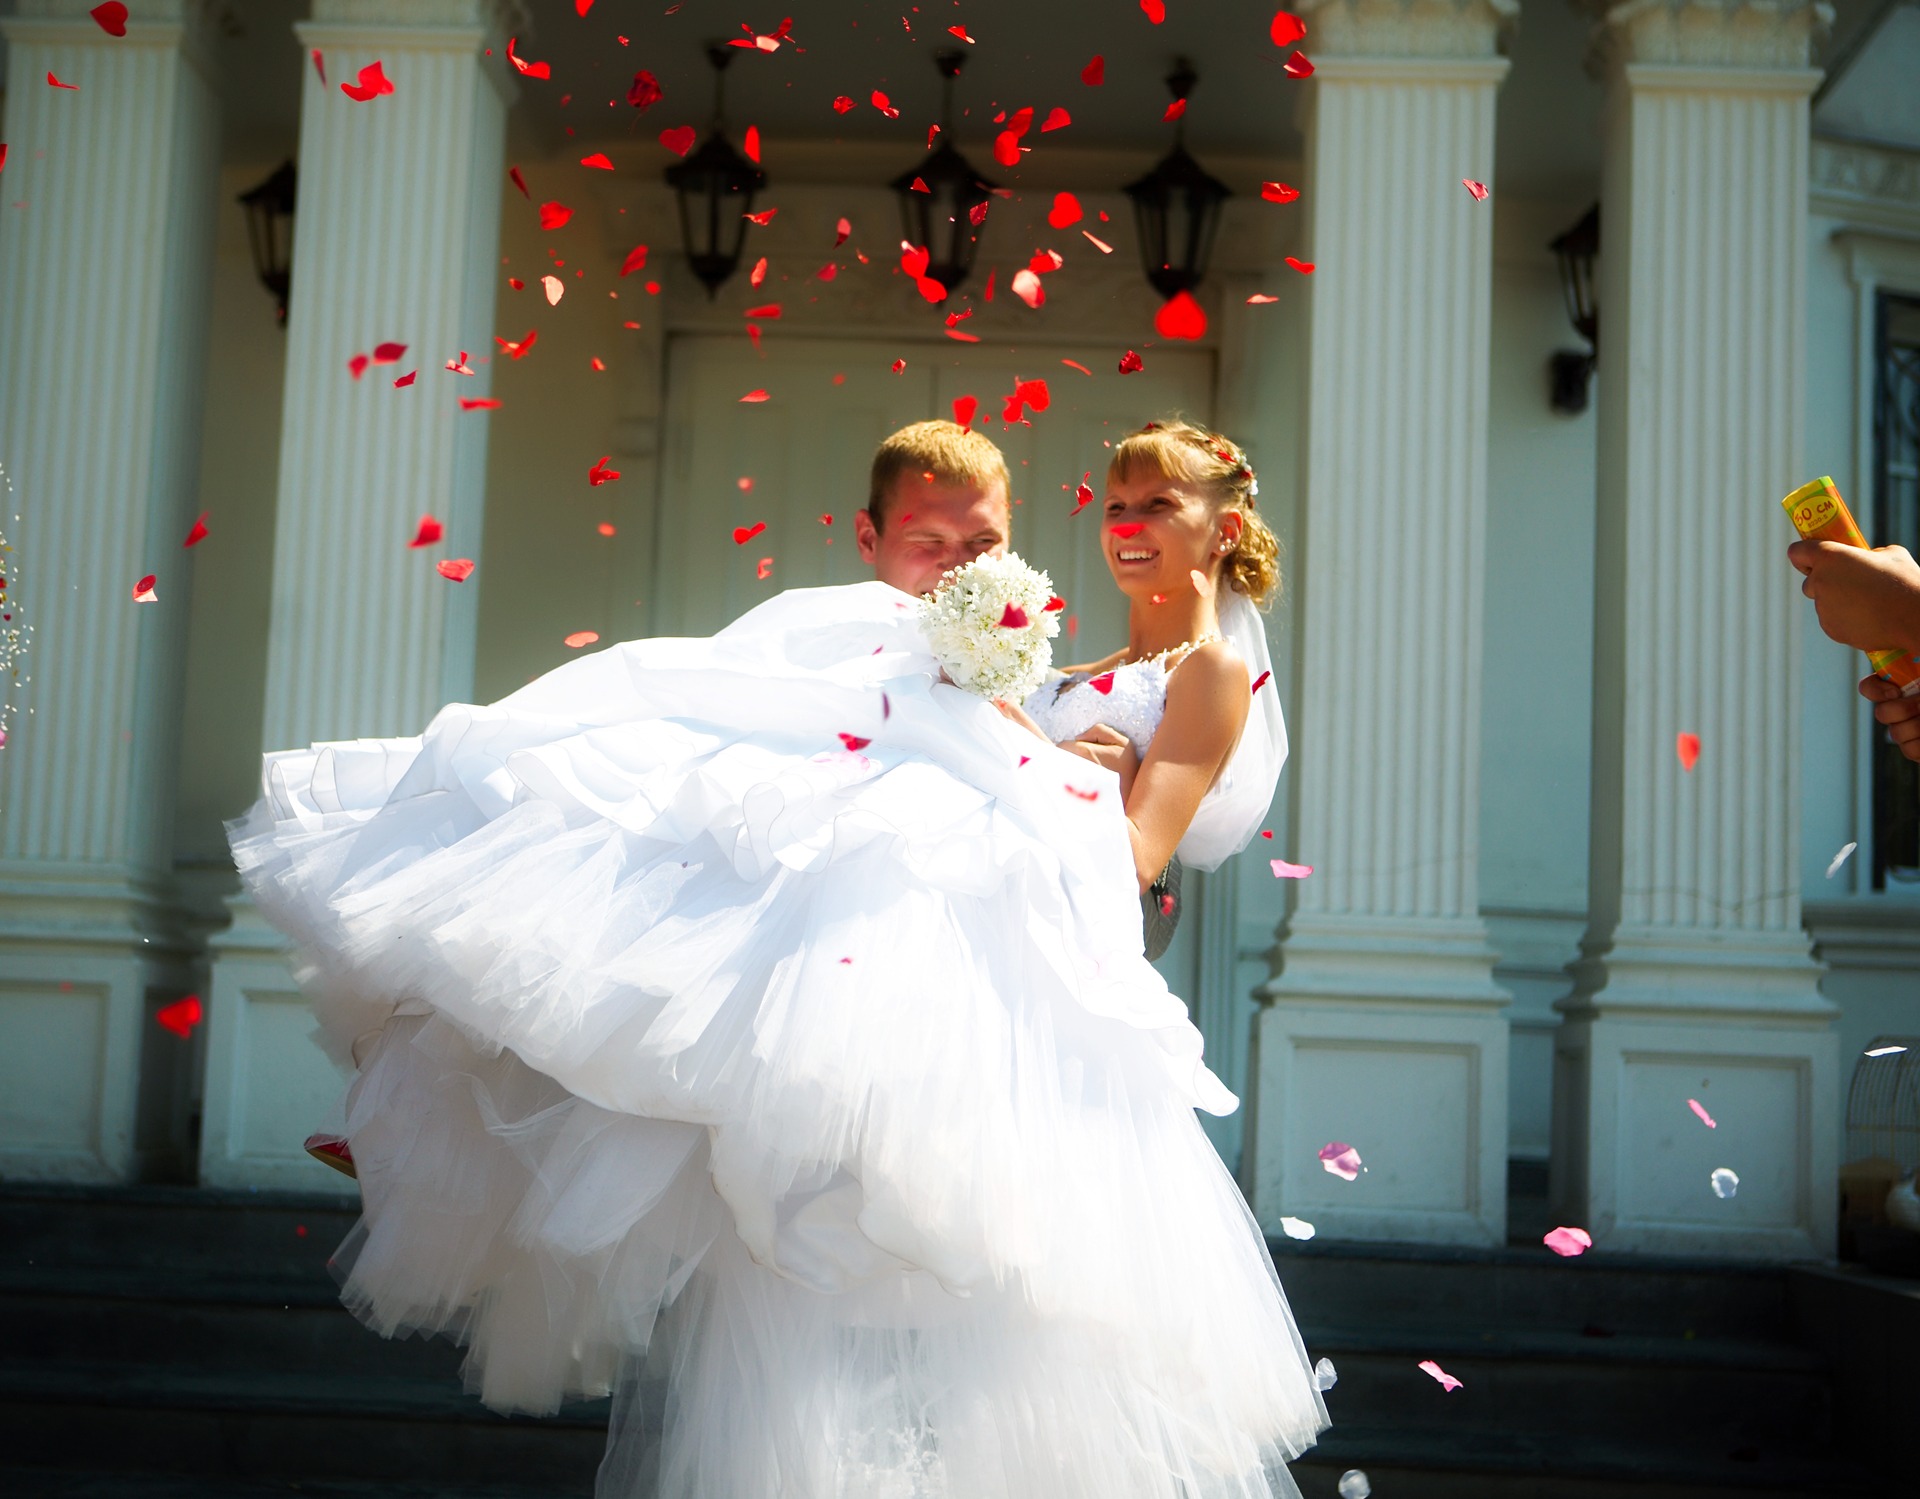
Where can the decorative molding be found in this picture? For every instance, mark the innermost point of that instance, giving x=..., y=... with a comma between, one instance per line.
x=1848, y=174
x=494, y=16
x=1705, y=33
x=1408, y=28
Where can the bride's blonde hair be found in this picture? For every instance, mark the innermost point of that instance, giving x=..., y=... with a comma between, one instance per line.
x=1183, y=450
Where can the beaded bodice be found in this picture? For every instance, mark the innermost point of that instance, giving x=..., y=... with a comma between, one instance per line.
x=1067, y=706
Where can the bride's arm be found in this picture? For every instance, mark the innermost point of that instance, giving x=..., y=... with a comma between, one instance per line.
x=1207, y=706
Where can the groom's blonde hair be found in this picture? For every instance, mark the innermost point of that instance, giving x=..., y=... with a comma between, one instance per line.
x=938, y=452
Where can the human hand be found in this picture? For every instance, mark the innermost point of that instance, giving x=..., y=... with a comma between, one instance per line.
x=1109, y=748
x=1900, y=714
x=1866, y=599
x=1014, y=713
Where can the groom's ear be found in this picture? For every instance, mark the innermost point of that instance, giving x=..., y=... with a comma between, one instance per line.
x=865, y=536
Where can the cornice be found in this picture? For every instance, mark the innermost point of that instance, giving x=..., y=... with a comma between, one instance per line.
x=1874, y=184
x=1704, y=33
x=1407, y=28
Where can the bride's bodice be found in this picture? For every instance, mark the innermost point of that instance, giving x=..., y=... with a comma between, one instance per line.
x=1065, y=707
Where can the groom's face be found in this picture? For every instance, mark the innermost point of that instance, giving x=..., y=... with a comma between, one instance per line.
x=928, y=527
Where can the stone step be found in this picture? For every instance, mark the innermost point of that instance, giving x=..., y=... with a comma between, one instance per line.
x=1419, y=1287
x=205, y=1321
x=1477, y=1463
x=1727, y=1392
x=274, y=1424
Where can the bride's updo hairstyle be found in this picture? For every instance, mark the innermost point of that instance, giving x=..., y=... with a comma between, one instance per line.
x=1182, y=450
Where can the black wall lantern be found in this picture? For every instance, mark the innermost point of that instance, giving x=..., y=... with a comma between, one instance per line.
x=941, y=218
x=270, y=234
x=1177, y=205
x=715, y=186
x=1570, y=371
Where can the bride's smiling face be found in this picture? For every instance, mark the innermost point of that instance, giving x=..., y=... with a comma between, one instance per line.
x=1158, y=528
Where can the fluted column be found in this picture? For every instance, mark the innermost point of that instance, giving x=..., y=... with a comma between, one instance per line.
x=105, y=259
x=1696, y=979
x=1384, y=1028
x=396, y=240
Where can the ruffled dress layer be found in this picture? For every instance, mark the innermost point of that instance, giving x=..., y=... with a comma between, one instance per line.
x=757, y=1029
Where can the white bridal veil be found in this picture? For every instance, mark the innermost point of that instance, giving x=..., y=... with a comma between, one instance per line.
x=1233, y=808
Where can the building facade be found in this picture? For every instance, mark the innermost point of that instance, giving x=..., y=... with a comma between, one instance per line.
x=1532, y=933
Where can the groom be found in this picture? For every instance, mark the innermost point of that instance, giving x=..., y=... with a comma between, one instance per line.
x=937, y=498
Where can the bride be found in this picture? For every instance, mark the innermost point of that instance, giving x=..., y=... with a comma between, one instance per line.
x=757, y=1029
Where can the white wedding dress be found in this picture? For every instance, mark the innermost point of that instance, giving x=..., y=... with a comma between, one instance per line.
x=757, y=1029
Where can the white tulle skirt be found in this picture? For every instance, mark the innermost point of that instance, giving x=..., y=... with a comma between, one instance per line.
x=756, y=1029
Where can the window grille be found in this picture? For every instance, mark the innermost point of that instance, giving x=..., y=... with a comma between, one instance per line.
x=1896, y=518
x=1883, y=1103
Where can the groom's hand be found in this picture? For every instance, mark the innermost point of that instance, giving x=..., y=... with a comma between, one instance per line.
x=1110, y=748
x=1900, y=714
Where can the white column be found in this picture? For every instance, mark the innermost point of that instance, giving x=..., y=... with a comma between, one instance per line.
x=1385, y=1029
x=396, y=240
x=105, y=260
x=1696, y=980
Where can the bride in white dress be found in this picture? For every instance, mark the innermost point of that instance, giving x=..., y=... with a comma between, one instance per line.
x=757, y=1028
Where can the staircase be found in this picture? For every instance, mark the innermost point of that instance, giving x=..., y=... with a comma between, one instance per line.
x=177, y=1343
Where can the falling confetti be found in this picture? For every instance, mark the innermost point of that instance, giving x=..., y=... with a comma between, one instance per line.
x=581, y=637
x=1724, y=1181
x=1840, y=858
x=455, y=569
x=1700, y=1110
x=1568, y=1242
x=1181, y=317
x=1340, y=1159
x=1282, y=870
x=1286, y=28
x=1324, y=1376
x=1354, y=1484
x=143, y=590
x=1687, y=747
x=429, y=531
x=1296, y=1228
x=1445, y=1380
x=1478, y=189
x=181, y=1016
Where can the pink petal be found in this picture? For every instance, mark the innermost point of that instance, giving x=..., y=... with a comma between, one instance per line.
x=581, y=637
x=1568, y=1241
x=1478, y=189
x=455, y=569
x=1340, y=1159
x=1700, y=1109
x=1447, y=1381
x=143, y=590
x=1282, y=870
x=1687, y=747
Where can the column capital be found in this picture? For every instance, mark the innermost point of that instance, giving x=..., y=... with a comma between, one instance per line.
x=1745, y=34
x=1408, y=28
x=167, y=23
x=487, y=15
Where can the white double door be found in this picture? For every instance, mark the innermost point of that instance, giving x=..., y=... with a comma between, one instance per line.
x=802, y=455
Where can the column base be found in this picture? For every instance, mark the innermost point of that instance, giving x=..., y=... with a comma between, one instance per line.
x=1735, y=1022
x=1390, y=1037
x=91, y=1088
x=268, y=1084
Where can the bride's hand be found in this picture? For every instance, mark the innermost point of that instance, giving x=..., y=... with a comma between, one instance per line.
x=1110, y=748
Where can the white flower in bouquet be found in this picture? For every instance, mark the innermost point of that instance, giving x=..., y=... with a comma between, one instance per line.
x=990, y=624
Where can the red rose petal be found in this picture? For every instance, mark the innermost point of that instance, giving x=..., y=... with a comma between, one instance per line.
x=1065, y=211
x=53, y=82
x=520, y=349
x=143, y=590
x=1155, y=10
x=885, y=105
x=1278, y=192
x=636, y=260
x=357, y=366
x=1095, y=72
x=1054, y=605
x=553, y=215
x=199, y=532
x=455, y=569
x=182, y=1015
x=744, y=534
x=372, y=82
x=1057, y=119
x=645, y=91
x=1074, y=364
x=754, y=397
x=842, y=104
x=1297, y=66
x=1262, y=680
x=112, y=17
x=854, y=741
x=678, y=139
x=1175, y=111
x=1286, y=28
x=1687, y=746
x=320, y=66
x=1181, y=317
x=600, y=474
x=1085, y=796
x=1102, y=684
x=770, y=311
x=429, y=532
x=389, y=353
x=1282, y=870
x=581, y=637
x=964, y=408
x=762, y=218
x=1478, y=189
x=1027, y=287
x=1130, y=363
x=1260, y=299
x=1082, y=494
x=479, y=403
x=1014, y=618
x=1304, y=267
x=764, y=568
x=524, y=68
x=751, y=143
x=598, y=161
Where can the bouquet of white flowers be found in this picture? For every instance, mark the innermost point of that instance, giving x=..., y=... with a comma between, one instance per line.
x=990, y=624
